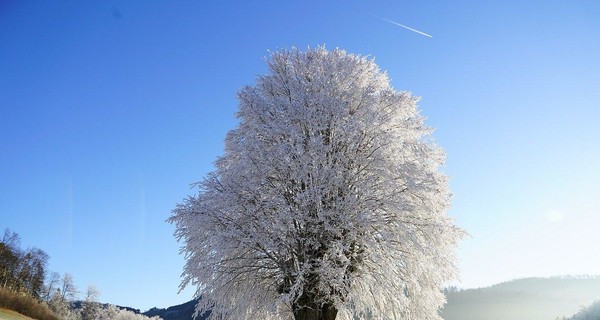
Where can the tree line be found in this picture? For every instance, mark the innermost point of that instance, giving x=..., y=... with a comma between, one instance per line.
x=22, y=270
x=27, y=286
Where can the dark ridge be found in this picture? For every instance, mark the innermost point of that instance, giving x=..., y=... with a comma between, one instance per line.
x=183, y=311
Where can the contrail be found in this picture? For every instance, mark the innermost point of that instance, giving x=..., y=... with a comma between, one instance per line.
x=406, y=27
x=69, y=211
x=142, y=208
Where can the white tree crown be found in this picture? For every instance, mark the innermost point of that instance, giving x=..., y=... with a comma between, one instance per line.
x=329, y=190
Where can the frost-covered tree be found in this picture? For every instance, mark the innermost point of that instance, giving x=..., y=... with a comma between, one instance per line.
x=591, y=312
x=61, y=299
x=51, y=285
x=68, y=289
x=112, y=312
x=328, y=201
x=63, y=308
x=90, y=308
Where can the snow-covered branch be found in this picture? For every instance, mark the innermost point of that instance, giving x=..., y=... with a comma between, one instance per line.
x=327, y=201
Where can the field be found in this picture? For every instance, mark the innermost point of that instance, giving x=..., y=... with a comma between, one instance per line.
x=11, y=315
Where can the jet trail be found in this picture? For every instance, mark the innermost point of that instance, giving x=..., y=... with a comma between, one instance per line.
x=406, y=27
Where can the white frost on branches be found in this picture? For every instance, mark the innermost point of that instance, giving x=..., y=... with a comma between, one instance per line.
x=112, y=312
x=591, y=312
x=328, y=194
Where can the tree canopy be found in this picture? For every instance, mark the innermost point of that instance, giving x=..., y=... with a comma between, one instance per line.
x=328, y=201
x=21, y=270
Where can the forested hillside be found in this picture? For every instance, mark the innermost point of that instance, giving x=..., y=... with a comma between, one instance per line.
x=531, y=299
x=27, y=287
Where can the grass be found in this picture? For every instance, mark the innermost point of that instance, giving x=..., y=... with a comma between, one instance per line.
x=21, y=303
x=12, y=315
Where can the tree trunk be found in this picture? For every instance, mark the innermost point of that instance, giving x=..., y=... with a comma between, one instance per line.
x=305, y=309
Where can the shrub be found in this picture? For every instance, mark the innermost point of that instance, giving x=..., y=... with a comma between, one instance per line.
x=25, y=305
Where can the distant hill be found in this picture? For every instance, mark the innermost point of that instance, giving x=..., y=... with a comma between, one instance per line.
x=522, y=299
x=79, y=306
x=530, y=299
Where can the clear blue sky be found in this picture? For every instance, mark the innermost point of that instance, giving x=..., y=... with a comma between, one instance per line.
x=110, y=109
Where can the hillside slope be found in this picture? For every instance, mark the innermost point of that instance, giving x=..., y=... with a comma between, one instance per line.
x=12, y=315
x=531, y=299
